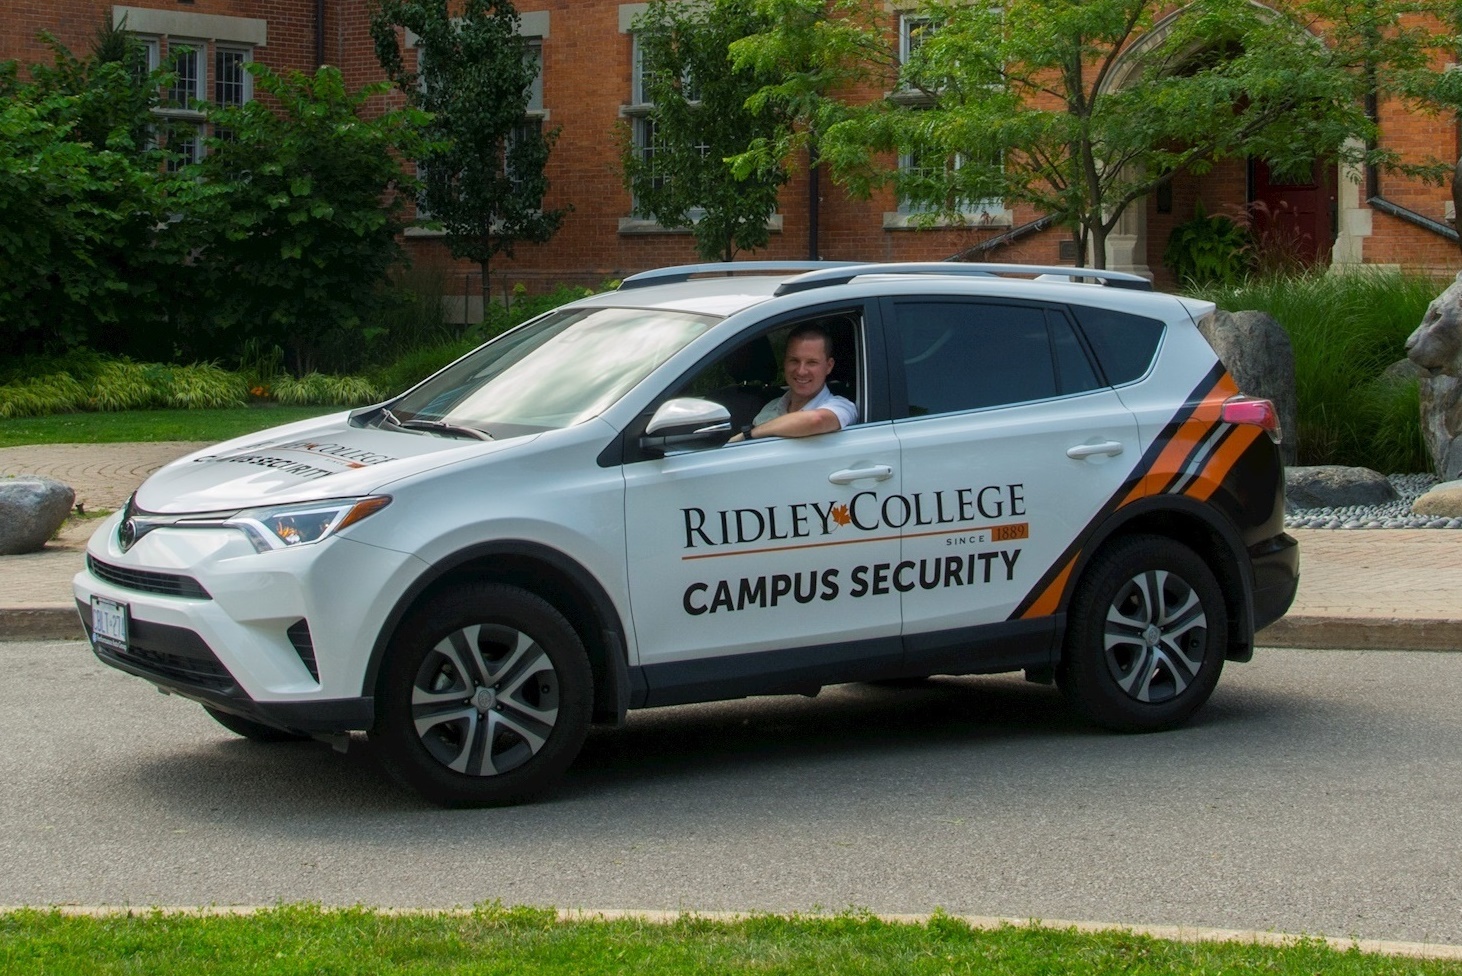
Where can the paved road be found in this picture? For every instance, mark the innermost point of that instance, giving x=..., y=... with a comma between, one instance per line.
x=1318, y=792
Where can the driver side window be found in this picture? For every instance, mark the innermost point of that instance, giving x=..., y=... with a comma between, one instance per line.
x=749, y=375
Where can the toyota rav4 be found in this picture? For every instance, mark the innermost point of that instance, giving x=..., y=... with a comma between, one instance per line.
x=1050, y=472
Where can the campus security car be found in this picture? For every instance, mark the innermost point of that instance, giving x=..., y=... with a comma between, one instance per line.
x=715, y=482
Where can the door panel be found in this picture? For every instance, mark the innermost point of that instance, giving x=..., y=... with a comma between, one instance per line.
x=1010, y=444
x=1024, y=480
x=767, y=544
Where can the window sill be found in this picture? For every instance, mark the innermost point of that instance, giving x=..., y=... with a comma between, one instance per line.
x=632, y=226
x=423, y=232
x=981, y=220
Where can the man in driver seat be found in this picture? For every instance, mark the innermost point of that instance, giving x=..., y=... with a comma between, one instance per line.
x=808, y=407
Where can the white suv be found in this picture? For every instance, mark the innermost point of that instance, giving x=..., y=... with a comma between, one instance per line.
x=1047, y=474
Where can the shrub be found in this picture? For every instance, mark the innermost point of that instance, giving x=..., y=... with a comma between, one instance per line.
x=1346, y=329
x=318, y=389
x=204, y=385
x=417, y=365
x=124, y=385
x=1207, y=249
x=56, y=393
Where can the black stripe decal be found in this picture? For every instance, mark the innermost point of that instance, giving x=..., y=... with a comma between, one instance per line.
x=1149, y=457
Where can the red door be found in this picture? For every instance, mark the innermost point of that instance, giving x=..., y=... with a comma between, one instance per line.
x=1294, y=219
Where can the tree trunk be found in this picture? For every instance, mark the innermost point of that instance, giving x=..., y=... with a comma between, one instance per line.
x=486, y=289
x=1099, y=247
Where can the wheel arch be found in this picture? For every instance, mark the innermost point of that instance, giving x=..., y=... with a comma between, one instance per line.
x=551, y=575
x=1199, y=528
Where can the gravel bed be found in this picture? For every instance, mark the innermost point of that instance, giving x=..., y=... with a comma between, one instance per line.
x=1393, y=515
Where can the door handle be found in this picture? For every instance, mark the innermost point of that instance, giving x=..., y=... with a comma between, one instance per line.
x=1082, y=451
x=878, y=472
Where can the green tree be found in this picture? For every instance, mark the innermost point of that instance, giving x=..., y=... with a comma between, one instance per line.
x=484, y=166
x=82, y=201
x=294, y=216
x=677, y=168
x=1081, y=109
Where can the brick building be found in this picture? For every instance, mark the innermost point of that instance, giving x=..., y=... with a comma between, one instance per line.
x=588, y=90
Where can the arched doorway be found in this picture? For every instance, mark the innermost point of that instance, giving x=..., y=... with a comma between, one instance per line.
x=1294, y=215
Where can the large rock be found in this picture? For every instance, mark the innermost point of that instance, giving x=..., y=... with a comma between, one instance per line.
x=1256, y=351
x=32, y=508
x=1444, y=500
x=1336, y=486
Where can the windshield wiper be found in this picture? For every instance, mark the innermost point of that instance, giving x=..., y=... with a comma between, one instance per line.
x=442, y=427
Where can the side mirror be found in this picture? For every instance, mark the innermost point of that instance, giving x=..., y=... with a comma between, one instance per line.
x=686, y=424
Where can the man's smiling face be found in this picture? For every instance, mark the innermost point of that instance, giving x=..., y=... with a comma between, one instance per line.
x=806, y=367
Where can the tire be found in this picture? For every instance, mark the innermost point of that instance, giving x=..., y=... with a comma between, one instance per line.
x=1145, y=637
x=251, y=730
x=485, y=699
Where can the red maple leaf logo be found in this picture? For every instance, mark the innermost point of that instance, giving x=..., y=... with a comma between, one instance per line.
x=840, y=514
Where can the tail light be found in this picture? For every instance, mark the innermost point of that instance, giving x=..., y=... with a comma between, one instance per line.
x=1256, y=411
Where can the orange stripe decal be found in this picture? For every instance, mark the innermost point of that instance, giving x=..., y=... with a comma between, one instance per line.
x=1222, y=462
x=1198, y=425
x=1050, y=598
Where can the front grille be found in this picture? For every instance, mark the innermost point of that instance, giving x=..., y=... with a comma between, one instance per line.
x=203, y=673
x=168, y=584
x=304, y=645
x=173, y=655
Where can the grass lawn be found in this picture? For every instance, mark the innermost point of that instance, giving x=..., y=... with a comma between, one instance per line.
x=150, y=425
x=522, y=942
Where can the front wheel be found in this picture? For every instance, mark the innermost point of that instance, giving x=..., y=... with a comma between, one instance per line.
x=1146, y=636
x=486, y=697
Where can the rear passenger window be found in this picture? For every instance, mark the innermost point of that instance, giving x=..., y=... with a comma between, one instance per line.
x=1124, y=344
x=967, y=355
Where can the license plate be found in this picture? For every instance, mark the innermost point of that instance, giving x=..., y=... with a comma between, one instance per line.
x=109, y=623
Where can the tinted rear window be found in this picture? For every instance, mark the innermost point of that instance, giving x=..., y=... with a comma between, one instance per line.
x=1124, y=344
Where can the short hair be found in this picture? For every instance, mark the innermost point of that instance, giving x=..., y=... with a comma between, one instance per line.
x=811, y=330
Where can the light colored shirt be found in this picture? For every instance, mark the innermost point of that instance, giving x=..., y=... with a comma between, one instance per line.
x=843, y=408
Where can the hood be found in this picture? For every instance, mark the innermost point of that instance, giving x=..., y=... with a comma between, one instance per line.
x=321, y=458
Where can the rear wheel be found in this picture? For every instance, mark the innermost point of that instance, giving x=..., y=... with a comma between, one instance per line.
x=254, y=731
x=1145, y=637
x=485, y=699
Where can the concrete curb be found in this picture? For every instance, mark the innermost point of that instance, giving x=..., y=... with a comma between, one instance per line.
x=1362, y=633
x=43, y=623
x=1173, y=933
x=1295, y=630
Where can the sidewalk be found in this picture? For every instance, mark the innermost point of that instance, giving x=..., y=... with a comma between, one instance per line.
x=1381, y=589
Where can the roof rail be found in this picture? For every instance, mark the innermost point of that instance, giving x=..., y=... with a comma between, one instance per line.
x=841, y=276
x=684, y=272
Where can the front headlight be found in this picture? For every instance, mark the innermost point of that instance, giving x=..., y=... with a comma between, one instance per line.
x=286, y=526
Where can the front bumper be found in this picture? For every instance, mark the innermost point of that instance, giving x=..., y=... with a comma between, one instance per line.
x=282, y=638
x=178, y=661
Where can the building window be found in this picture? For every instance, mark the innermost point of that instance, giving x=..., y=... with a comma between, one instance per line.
x=937, y=168
x=913, y=32
x=640, y=112
x=534, y=115
x=187, y=64
x=232, y=85
x=206, y=72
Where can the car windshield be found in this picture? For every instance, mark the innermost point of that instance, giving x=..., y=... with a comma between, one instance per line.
x=561, y=370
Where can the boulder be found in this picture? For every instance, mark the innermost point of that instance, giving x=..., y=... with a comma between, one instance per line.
x=1444, y=500
x=1257, y=353
x=32, y=508
x=1336, y=486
